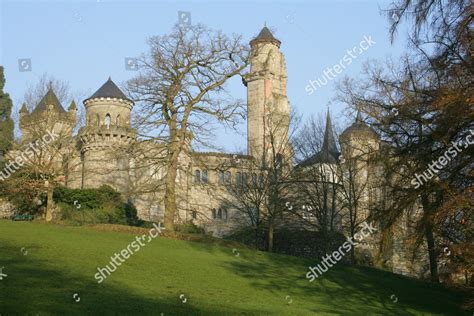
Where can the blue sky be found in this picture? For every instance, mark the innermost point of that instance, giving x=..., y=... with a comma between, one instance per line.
x=83, y=42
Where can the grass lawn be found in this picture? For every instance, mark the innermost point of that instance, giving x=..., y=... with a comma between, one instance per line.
x=62, y=260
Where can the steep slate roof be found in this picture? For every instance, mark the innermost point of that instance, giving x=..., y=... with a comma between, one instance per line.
x=328, y=152
x=109, y=90
x=49, y=99
x=265, y=35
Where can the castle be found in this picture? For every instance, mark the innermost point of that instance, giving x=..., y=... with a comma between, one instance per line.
x=107, y=150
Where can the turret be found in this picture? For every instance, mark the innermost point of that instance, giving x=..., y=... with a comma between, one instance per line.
x=48, y=114
x=72, y=110
x=359, y=139
x=107, y=138
x=108, y=107
x=267, y=103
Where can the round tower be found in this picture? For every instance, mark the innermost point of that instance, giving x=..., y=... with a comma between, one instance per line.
x=267, y=103
x=106, y=138
x=359, y=140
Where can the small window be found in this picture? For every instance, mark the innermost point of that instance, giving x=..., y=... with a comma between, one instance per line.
x=204, y=177
x=245, y=178
x=254, y=179
x=214, y=213
x=117, y=120
x=221, y=177
x=228, y=176
x=97, y=119
x=197, y=176
x=107, y=120
x=194, y=214
x=238, y=178
x=219, y=214
x=224, y=214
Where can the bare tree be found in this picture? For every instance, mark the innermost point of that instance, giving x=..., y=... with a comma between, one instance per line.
x=264, y=188
x=181, y=92
x=316, y=178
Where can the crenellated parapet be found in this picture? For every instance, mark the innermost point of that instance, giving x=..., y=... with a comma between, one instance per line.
x=101, y=138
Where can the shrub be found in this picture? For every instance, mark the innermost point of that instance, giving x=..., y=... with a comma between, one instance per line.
x=189, y=228
x=102, y=205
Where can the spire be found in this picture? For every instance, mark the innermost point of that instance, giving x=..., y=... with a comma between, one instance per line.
x=24, y=109
x=329, y=143
x=72, y=106
x=265, y=35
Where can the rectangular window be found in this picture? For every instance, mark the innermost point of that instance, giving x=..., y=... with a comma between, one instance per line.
x=197, y=176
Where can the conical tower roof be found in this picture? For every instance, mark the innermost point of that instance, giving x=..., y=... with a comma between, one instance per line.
x=265, y=35
x=109, y=90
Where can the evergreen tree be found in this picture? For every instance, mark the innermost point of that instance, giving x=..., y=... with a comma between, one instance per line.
x=6, y=123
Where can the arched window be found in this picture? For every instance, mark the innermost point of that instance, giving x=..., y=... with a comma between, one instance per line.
x=221, y=177
x=204, y=177
x=214, y=214
x=117, y=120
x=107, y=120
x=219, y=214
x=238, y=178
x=245, y=178
x=227, y=177
x=224, y=213
x=197, y=176
x=194, y=214
x=254, y=179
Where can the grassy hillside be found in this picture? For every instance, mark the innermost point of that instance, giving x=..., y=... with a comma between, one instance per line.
x=61, y=261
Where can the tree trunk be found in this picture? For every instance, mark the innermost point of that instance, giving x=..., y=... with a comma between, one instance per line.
x=170, y=196
x=270, y=236
x=432, y=253
x=257, y=237
x=49, y=202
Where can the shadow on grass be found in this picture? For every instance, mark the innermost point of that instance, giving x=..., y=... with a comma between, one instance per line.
x=343, y=289
x=33, y=288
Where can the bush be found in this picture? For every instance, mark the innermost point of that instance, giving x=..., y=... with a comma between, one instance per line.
x=189, y=228
x=92, y=206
